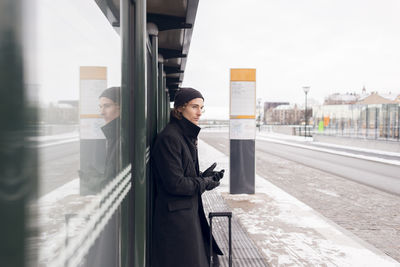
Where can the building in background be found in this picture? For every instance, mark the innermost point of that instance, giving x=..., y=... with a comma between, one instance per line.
x=372, y=116
x=289, y=115
x=376, y=98
x=341, y=99
x=268, y=107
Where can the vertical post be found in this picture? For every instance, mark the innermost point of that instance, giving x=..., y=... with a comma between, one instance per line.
x=387, y=121
x=259, y=114
x=18, y=165
x=139, y=133
x=305, y=118
x=359, y=121
x=398, y=122
x=350, y=131
x=127, y=23
x=242, y=131
x=376, y=122
x=366, y=121
x=230, y=240
x=128, y=96
x=160, y=91
x=167, y=102
x=392, y=121
x=306, y=89
x=153, y=32
x=211, y=244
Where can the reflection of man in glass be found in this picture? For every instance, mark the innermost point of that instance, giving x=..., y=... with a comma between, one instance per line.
x=109, y=104
x=105, y=250
x=110, y=110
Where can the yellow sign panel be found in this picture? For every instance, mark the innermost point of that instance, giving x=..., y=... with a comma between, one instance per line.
x=90, y=116
x=243, y=75
x=242, y=116
x=93, y=73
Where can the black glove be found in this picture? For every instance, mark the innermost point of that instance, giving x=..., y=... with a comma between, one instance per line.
x=208, y=183
x=218, y=175
x=209, y=171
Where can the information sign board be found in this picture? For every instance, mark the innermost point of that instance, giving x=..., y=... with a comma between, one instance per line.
x=243, y=98
x=93, y=81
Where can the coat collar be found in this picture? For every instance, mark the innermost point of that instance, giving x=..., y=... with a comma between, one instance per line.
x=111, y=129
x=188, y=128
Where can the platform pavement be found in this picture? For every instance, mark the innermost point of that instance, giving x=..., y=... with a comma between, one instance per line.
x=286, y=231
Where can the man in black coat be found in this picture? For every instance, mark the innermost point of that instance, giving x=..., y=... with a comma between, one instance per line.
x=180, y=229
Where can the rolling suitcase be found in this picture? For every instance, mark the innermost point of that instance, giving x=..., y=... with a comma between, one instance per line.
x=211, y=215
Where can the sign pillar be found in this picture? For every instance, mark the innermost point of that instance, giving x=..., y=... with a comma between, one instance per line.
x=242, y=131
x=93, y=81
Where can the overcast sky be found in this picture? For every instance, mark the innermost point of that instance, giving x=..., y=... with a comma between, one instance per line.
x=70, y=34
x=329, y=45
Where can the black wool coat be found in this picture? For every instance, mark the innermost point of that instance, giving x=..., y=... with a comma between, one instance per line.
x=112, y=133
x=104, y=252
x=180, y=229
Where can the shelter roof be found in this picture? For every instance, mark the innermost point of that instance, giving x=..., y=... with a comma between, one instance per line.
x=174, y=20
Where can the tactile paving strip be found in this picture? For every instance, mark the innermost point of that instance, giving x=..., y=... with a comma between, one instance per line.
x=244, y=251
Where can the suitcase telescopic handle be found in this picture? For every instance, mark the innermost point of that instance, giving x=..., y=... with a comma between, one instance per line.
x=211, y=215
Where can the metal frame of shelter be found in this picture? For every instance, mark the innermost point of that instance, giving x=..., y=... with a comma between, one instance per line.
x=155, y=39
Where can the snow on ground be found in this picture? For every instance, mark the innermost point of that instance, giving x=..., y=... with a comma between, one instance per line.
x=310, y=139
x=347, y=154
x=43, y=138
x=58, y=222
x=50, y=140
x=285, y=136
x=288, y=232
x=70, y=188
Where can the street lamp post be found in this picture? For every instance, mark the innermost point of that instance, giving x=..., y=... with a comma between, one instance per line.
x=259, y=114
x=306, y=89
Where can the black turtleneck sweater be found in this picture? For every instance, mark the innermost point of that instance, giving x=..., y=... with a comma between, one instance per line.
x=190, y=133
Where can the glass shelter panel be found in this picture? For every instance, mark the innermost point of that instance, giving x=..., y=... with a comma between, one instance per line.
x=76, y=216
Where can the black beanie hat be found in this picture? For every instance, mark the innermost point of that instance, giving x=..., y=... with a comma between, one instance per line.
x=184, y=95
x=112, y=93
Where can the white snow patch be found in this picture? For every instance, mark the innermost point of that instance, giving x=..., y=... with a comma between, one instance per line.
x=380, y=152
x=289, y=232
x=285, y=136
x=347, y=154
x=70, y=188
x=57, y=218
x=44, y=138
x=51, y=140
x=310, y=139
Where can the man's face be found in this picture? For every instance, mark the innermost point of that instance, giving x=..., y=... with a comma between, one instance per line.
x=108, y=109
x=193, y=110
